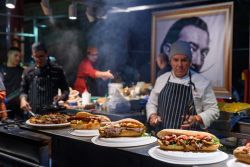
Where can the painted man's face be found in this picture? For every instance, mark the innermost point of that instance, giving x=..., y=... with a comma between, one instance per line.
x=199, y=43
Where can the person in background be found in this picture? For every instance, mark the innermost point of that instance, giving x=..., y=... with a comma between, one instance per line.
x=12, y=76
x=3, y=113
x=182, y=98
x=40, y=83
x=193, y=30
x=163, y=63
x=86, y=73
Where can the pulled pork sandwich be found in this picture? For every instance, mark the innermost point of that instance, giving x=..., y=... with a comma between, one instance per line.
x=243, y=153
x=87, y=121
x=123, y=128
x=187, y=140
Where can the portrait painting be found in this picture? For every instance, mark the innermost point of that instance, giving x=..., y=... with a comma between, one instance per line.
x=208, y=30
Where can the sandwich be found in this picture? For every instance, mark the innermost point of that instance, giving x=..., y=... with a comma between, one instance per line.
x=243, y=153
x=123, y=128
x=87, y=121
x=187, y=140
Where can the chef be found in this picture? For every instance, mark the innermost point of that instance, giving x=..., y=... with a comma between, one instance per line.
x=182, y=98
x=40, y=82
x=87, y=74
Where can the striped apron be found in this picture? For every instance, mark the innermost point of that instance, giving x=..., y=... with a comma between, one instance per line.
x=172, y=104
x=41, y=91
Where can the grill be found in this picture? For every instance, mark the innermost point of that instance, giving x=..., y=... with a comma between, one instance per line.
x=20, y=147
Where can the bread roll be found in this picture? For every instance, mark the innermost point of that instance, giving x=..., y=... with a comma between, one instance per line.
x=83, y=114
x=242, y=154
x=87, y=121
x=123, y=128
x=187, y=140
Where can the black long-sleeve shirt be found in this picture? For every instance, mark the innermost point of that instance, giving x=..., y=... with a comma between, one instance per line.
x=40, y=85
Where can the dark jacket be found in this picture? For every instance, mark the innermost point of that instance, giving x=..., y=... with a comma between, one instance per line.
x=40, y=85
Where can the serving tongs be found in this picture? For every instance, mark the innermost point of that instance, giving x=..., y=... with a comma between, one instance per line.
x=33, y=114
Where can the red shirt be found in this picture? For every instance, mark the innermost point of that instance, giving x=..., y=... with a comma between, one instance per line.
x=85, y=70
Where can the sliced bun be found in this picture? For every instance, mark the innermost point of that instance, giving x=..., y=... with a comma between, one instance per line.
x=90, y=122
x=83, y=114
x=123, y=128
x=241, y=155
x=103, y=118
x=131, y=120
x=165, y=132
x=83, y=126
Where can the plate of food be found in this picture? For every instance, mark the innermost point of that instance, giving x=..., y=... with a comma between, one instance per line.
x=242, y=157
x=186, y=147
x=86, y=124
x=49, y=120
x=123, y=133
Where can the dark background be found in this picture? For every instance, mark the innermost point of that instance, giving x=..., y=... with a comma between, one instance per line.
x=123, y=39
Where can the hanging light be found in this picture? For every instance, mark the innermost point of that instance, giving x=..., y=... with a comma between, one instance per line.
x=72, y=11
x=11, y=4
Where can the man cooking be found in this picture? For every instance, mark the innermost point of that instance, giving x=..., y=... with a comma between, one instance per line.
x=182, y=98
x=40, y=83
x=86, y=73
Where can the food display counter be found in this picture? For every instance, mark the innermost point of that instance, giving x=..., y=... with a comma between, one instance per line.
x=68, y=150
x=19, y=147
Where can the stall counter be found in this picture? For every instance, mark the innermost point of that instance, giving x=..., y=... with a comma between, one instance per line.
x=68, y=150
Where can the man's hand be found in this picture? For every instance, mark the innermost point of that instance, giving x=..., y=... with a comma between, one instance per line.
x=2, y=95
x=108, y=75
x=190, y=120
x=154, y=119
x=56, y=98
x=24, y=105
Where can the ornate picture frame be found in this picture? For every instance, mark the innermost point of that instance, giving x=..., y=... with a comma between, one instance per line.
x=217, y=22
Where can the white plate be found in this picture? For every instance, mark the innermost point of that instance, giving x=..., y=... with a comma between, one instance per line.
x=234, y=163
x=47, y=125
x=187, y=158
x=123, y=141
x=84, y=133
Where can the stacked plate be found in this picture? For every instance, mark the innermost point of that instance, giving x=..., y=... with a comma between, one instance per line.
x=123, y=141
x=83, y=133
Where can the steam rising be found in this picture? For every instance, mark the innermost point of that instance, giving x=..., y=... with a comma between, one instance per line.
x=111, y=37
x=64, y=45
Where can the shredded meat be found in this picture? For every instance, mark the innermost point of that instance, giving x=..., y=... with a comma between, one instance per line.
x=196, y=141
